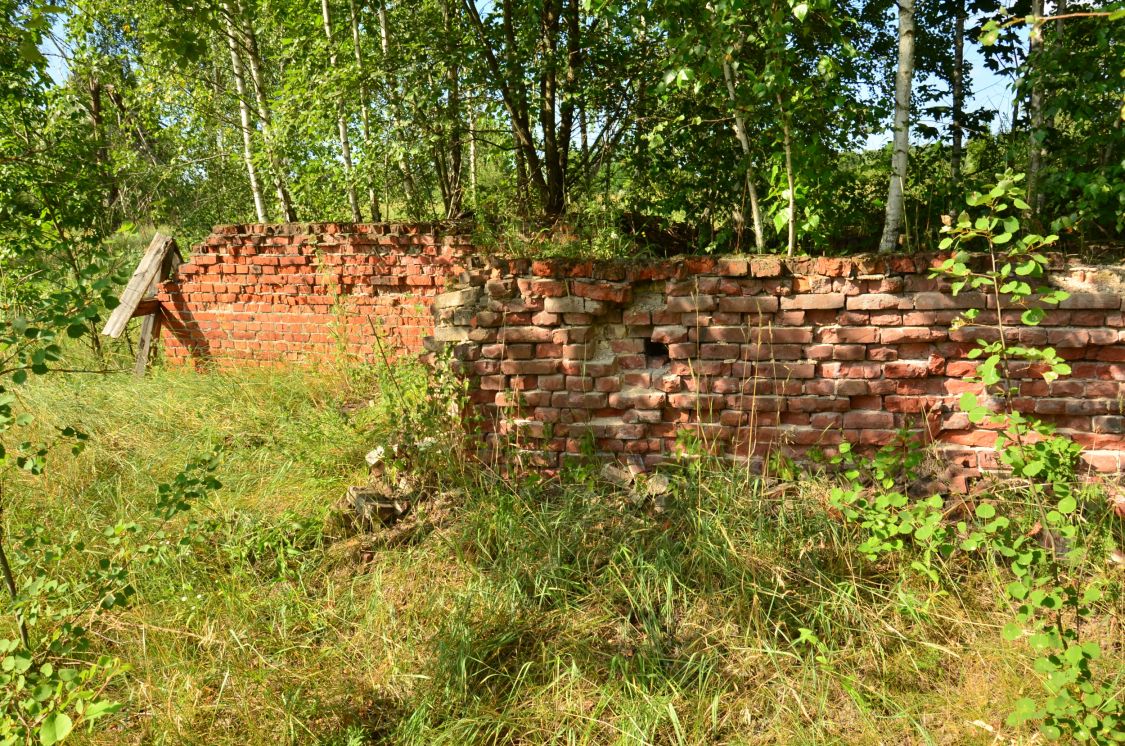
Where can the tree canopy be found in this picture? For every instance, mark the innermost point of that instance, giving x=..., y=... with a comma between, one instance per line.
x=744, y=119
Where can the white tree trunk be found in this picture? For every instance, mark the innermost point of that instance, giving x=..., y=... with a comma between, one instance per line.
x=957, y=146
x=900, y=156
x=403, y=165
x=276, y=164
x=791, y=244
x=1035, y=117
x=341, y=122
x=365, y=117
x=744, y=141
x=244, y=117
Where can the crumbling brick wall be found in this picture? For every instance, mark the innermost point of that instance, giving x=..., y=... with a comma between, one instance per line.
x=748, y=355
x=756, y=355
x=260, y=294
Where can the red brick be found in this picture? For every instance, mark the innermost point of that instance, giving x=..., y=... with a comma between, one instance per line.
x=683, y=350
x=866, y=420
x=603, y=291
x=634, y=317
x=890, y=336
x=637, y=399
x=765, y=267
x=849, y=352
x=817, y=301
x=717, y=351
x=882, y=354
x=529, y=367
x=848, y=334
x=906, y=369
x=878, y=302
x=721, y=334
x=749, y=304
x=669, y=334
x=524, y=334
x=733, y=267
x=688, y=303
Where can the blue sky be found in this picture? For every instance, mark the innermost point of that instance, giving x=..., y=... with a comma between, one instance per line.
x=987, y=91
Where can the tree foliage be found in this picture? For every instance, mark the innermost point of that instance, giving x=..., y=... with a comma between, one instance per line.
x=744, y=118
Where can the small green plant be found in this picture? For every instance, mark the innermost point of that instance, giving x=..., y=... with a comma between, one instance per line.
x=49, y=682
x=1052, y=587
x=1032, y=523
x=886, y=517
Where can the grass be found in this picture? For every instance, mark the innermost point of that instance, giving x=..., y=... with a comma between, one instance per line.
x=522, y=610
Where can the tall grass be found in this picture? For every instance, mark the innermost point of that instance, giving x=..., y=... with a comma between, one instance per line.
x=527, y=611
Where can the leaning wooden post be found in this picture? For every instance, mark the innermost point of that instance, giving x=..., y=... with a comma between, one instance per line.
x=160, y=260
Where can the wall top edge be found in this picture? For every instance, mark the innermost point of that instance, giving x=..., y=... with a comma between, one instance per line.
x=577, y=265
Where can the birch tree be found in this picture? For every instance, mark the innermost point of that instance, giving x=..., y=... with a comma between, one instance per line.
x=245, y=123
x=341, y=121
x=901, y=143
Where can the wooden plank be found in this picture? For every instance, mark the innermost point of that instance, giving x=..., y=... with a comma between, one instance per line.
x=146, y=307
x=151, y=309
x=142, y=281
x=150, y=330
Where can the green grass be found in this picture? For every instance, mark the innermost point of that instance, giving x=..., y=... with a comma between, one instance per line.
x=527, y=611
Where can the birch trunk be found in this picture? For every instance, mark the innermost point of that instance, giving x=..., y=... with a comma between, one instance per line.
x=403, y=165
x=744, y=142
x=244, y=116
x=365, y=117
x=1035, y=118
x=473, y=159
x=957, y=145
x=341, y=122
x=277, y=166
x=791, y=244
x=455, y=187
x=900, y=156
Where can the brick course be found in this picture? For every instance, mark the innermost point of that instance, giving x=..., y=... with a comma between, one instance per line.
x=266, y=294
x=750, y=354
x=758, y=354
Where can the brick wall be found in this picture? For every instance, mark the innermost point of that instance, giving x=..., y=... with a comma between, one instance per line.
x=752, y=355
x=258, y=294
x=748, y=354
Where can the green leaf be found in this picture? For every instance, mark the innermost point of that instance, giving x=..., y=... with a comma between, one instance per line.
x=800, y=10
x=1023, y=711
x=985, y=511
x=31, y=53
x=1067, y=505
x=1011, y=632
x=1052, y=732
x=55, y=728
x=101, y=708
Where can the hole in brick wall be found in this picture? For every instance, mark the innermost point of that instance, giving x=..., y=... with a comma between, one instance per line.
x=656, y=354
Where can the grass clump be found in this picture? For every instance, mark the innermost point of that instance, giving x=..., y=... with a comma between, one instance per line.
x=526, y=610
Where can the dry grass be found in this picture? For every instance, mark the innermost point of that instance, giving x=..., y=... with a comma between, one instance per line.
x=555, y=612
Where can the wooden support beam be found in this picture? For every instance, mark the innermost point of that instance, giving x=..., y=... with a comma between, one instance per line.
x=153, y=313
x=150, y=330
x=146, y=307
x=141, y=284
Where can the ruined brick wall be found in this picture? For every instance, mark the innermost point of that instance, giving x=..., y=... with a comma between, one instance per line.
x=749, y=355
x=760, y=354
x=260, y=294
